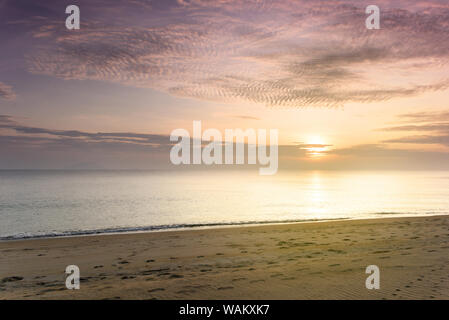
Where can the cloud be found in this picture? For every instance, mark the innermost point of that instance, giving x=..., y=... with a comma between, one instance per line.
x=244, y=117
x=31, y=147
x=425, y=139
x=435, y=124
x=6, y=92
x=441, y=127
x=40, y=148
x=425, y=116
x=362, y=150
x=313, y=145
x=276, y=53
x=6, y=122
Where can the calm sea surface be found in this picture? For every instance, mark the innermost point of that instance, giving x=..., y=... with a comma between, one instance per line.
x=55, y=203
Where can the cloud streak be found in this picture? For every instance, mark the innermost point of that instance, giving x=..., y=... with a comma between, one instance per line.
x=31, y=147
x=276, y=53
x=426, y=139
x=6, y=92
x=434, y=124
x=6, y=122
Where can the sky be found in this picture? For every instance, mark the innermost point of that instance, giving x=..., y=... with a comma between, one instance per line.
x=108, y=96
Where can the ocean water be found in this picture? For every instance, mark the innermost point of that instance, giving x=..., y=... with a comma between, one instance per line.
x=57, y=203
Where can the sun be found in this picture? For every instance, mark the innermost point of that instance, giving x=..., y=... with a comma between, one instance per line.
x=315, y=146
x=315, y=139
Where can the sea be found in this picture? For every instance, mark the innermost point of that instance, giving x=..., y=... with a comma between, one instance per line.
x=55, y=203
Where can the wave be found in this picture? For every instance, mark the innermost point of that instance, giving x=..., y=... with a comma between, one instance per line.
x=167, y=227
x=22, y=236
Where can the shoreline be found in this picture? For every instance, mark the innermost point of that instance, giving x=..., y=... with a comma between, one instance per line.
x=205, y=226
x=312, y=260
x=156, y=229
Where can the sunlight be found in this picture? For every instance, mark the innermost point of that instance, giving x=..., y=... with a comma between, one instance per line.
x=317, y=196
x=315, y=146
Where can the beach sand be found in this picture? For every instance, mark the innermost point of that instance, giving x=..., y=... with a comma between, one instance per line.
x=323, y=260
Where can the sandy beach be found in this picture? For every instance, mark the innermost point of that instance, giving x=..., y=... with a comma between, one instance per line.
x=324, y=260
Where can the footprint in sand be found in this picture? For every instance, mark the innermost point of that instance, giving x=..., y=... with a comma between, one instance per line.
x=255, y=281
x=238, y=279
x=12, y=279
x=185, y=291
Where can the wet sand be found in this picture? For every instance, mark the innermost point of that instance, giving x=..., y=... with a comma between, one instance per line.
x=322, y=260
